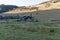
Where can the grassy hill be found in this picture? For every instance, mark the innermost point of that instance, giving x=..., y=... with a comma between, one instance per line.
x=14, y=26
x=40, y=15
x=44, y=29
x=49, y=5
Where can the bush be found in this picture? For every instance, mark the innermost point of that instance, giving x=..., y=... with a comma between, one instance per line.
x=51, y=30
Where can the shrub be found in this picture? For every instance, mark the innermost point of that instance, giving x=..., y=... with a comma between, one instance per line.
x=51, y=30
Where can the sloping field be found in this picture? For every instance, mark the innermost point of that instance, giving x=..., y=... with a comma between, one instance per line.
x=41, y=30
x=46, y=15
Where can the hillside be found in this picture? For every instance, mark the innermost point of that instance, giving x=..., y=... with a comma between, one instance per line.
x=37, y=22
x=40, y=15
x=49, y=5
x=5, y=8
x=25, y=30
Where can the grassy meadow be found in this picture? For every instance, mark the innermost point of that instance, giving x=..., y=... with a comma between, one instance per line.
x=29, y=31
x=44, y=29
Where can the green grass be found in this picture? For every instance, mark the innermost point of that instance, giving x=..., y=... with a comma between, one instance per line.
x=29, y=31
x=43, y=30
